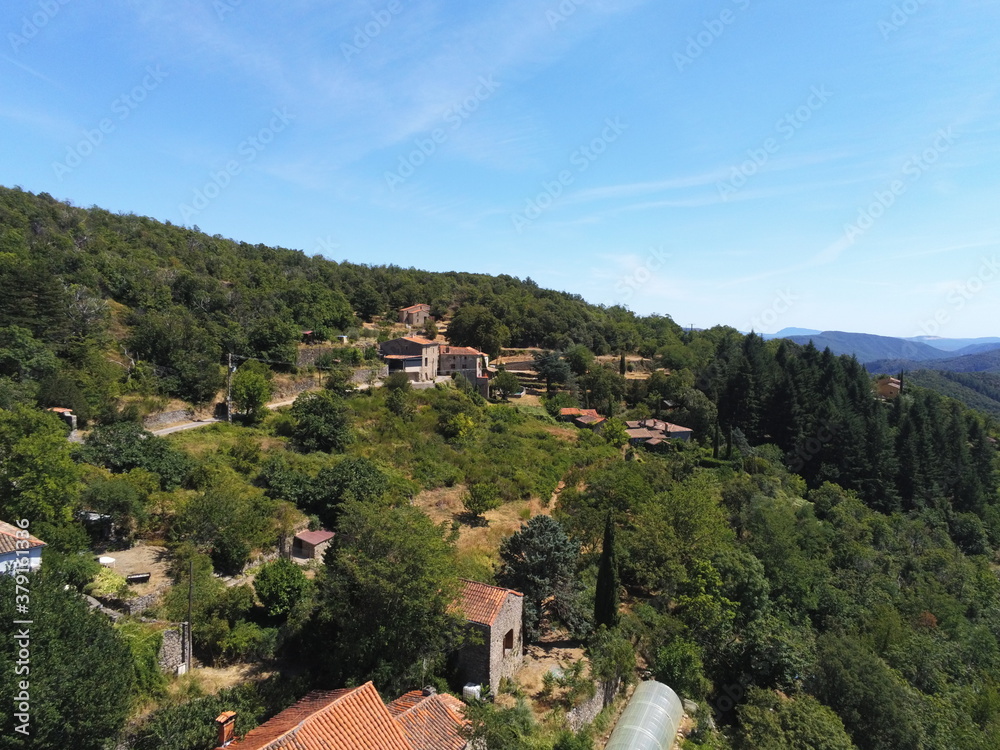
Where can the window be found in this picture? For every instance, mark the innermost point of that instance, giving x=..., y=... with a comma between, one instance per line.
x=508, y=642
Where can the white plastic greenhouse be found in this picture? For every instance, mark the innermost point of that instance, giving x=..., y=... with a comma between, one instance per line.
x=649, y=721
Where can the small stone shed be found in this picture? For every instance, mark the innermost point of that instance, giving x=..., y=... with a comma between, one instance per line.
x=495, y=613
x=311, y=544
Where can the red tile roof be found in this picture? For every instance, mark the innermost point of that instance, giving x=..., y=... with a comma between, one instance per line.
x=574, y=412
x=315, y=537
x=434, y=724
x=350, y=719
x=415, y=308
x=466, y=350
x=9, y=538
x=420, y=340
x=481, y=603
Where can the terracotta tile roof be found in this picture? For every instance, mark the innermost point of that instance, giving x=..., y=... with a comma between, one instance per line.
x=676, y=428
x=315, y=537
x=415, y=308
x=574, y=412
x=9, y=538
x=466, y=350
x=405, y=702
x=589, y=419
x=350, y=719
x=401, y=356
x=481, y=603
x=60, y=410
x=434, y=724
x=420, y=340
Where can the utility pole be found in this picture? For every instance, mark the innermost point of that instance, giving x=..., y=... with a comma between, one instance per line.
x=190, y=639
x=229, y=389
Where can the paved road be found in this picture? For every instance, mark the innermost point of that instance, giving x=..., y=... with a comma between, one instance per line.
x=184, y=426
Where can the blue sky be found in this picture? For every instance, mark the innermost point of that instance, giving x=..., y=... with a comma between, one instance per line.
x=757, y=163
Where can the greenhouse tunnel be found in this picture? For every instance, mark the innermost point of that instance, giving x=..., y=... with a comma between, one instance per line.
x=649, y=721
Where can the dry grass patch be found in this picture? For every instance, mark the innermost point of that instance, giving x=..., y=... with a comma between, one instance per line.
x=478, y=546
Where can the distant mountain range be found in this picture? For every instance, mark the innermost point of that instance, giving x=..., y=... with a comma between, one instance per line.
x=888, y=354
x=983, y=362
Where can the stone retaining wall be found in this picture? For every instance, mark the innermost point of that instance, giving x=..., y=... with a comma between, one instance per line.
x=586, y=712
x=156, y=421
x=173, y=650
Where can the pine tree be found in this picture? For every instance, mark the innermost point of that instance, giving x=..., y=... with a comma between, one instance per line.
x=606, y=597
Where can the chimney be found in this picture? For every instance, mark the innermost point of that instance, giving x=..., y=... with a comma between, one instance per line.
x=226, y=722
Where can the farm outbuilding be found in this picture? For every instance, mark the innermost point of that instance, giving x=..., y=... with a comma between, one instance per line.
x=649, y=721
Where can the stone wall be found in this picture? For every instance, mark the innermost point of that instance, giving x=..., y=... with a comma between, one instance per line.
x=586, y=712
x=489, y=662
x=156, y=421
x=173, y=650
x=361, y=376
x=138, y=605
x=506, y=662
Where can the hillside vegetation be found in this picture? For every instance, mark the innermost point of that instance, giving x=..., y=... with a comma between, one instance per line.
x=817, y=569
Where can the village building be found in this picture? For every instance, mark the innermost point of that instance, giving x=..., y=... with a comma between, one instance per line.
x=572, y=414
x=417, y=357
x=356, y=719
x=66, y=415
x=888, y=388
x=310, y=545
x=464, y=360
x=19, y=550
x=415, y=315
x=655, y=432
x=495, y=613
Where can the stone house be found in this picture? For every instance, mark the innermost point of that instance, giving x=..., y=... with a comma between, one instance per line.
x=19, y=550
x=466, y=361
x=311, y=544
x=415, y=315
x=417, y=357
x=495, y=613
x=888, y=388
x=654, y=432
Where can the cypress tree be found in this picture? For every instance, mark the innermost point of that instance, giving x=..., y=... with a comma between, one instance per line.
x=606, y=598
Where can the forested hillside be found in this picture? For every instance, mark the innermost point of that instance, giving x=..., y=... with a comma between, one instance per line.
x=977, y=390
x=123, y=299
x=816, y=569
